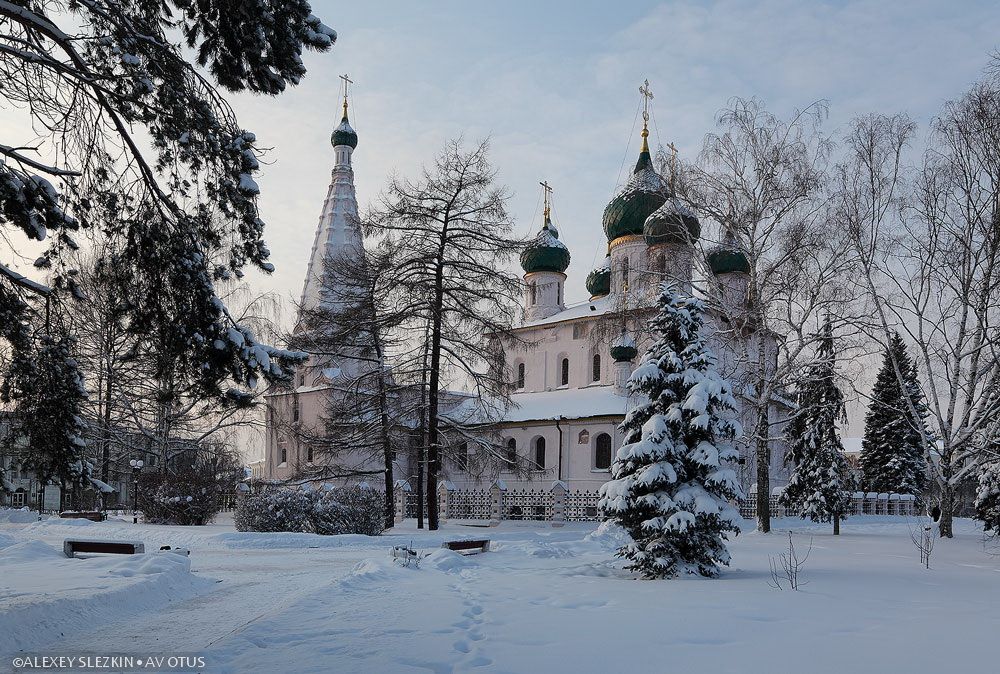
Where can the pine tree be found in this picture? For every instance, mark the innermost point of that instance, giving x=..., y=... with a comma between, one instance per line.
x=820, y=485
x=48, y=390
x=988, y=497
x=670, y=488
x=892, y=452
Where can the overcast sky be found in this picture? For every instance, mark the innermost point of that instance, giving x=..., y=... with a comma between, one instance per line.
x=555, y=87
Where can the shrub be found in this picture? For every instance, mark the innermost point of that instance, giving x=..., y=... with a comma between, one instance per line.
x=344, y=510
x=189, y=496
x=348, y=510
x=988, y=497
x=273, y=510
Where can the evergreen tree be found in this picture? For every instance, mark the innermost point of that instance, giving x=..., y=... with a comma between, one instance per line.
x=670, y=488
x=48, y=390
x=820, y=485
x=988, y=497
x=892, y=452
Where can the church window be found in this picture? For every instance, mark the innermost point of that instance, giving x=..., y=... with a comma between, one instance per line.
x=583, y=438
x=520, y=375
x=462, y=456
x=534, y=293
x=295, y=408
x=558, y=293
x=564, y=373
x=596, y=374
x=602, y=452
x=625, y=272
x=282, y=451
x=540, y=453
x=511, y=452
x=309, y=453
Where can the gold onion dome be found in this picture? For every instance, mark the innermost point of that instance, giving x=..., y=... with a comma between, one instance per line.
x=644, y=193
x=545, y=252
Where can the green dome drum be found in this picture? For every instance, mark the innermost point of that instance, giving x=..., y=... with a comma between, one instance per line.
x=545, y=252
x=672, y=223
x=627, y=212
x=599, y=280
x=728, y=261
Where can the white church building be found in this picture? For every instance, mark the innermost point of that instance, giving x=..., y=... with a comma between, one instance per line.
x=571, y=362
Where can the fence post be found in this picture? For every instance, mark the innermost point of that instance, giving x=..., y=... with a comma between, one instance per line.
x=443, y=488
x=559, y=492
x=496, y=500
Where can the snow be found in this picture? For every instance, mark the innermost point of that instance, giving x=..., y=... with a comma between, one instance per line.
x=544, y=599
x=590, y=401
x=598, y=307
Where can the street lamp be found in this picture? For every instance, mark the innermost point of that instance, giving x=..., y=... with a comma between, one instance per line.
x=136, y=471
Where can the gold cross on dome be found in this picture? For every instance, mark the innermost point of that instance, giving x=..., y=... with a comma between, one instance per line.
x=546, y=191
x=347, y=82
x=647, y=95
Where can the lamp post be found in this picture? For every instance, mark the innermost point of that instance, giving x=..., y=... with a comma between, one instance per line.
x=136, y=471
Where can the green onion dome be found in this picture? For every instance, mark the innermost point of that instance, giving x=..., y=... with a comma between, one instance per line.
x=344, y=134
x=599, y=280
x=545, y=252
x=644, y=193
x=673, y=222
x=728, y=260
x=623, y=350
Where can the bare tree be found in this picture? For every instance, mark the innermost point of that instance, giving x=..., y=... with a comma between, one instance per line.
x=931, y=258
x=762, y=182
x=454, y=238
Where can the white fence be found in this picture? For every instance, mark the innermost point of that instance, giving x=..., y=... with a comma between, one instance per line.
x=560, y=503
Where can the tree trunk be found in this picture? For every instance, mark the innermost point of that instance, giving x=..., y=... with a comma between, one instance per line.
x=106, y=433
x=947, y=509
x=836, y=524
x=390, y=500
x=763, y=473
x=433, y=450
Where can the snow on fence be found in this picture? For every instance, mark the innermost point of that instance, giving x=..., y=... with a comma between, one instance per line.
x=862, y=503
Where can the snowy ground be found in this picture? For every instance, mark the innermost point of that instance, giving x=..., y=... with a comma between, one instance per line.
x=545, y=599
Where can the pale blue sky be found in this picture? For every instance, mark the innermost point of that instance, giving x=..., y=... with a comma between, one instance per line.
x=554, y=84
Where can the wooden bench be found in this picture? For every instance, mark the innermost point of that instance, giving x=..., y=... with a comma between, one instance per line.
x=72, y=546
x=93, y=515
x=467, y=547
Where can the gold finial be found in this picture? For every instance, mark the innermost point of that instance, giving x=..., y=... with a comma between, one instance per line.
x=546, y=191
x=647, y=95
x=347, y=82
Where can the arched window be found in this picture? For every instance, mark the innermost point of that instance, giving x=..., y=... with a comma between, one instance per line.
x=534, y=293
x=602, y=452
x=624, y=272
x=520, y=375
x=511, y=452
x=462, y=456
x=295, y=408
x=564, y=373
x=309, y=453
x=282, y=451
x=540, y=453
x=558, y=293
x=661, y=263
x=596, y=374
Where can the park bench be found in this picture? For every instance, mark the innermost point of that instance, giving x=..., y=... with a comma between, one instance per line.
x=73, y=546
x=467, y=547
x=93, y=515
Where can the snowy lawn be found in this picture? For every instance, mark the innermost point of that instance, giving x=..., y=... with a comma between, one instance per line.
x=545, y=599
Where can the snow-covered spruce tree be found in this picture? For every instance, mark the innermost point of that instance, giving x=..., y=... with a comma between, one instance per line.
x=820, y=484
x=670, y=487
x=892, y=452
x=140, y=144
x=988, y=497
x=48, y=391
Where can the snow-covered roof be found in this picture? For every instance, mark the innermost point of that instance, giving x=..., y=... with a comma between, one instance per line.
x=598, y=307
x=576, y=403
